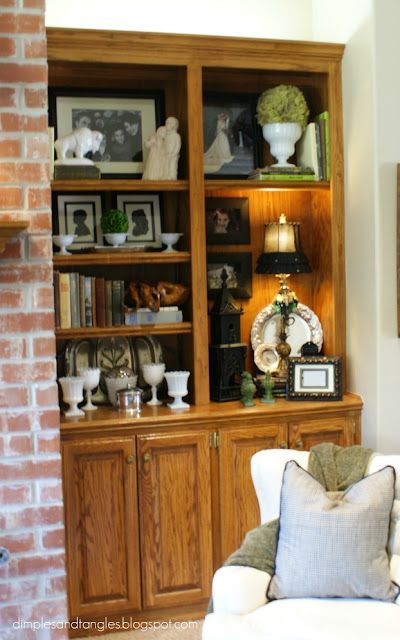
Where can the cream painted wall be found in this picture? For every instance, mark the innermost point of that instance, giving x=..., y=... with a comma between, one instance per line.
x=286, y=19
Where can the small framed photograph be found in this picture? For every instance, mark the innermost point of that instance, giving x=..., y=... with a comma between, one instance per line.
x=126, y=122
x=235, y=267
x=231, y=139
x=227, y=221
x=315, y=378
x=78, y=214
x=144, y=215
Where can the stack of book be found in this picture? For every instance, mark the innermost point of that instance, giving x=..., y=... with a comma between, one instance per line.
x=283, y=173
x=86, y=301
x=314, y=149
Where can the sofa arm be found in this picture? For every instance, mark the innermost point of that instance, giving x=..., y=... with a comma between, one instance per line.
x=239, y=590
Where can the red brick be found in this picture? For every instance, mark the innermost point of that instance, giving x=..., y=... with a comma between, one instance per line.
x=8, y=97
x=43, y=298
x=7, y=3
x=26, y=273
x=34, y=4
x=10, y=197
x=23, y=172
x=29, y=634
x=18, y=542
x=13, y=397
x=35, y=49
x=11, y=298
x=17, y=122
x=21, y=23
x=40, y=222
x=33, y=517
x=36, y=372
x=19, y=421
x=38, y=198
x=55, y=585
x=50, y=491
x=14, y=249
x=7, y=47
x=40, y=247
x=19, y=446
x=50, y=419
x=38, y=564
x=35, y=98
x=48, y=442
x=15, y=494
x=10, y=148
x=11, y=72
x=23, y=589
x=37, y=146
x=26, y=322
x=47, y=396
x=53, y=539
x=43, y=347
x=50, y=609
x=14, y=612
x=15, y=348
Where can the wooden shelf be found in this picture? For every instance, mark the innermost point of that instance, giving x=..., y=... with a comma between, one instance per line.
x=120, y=185
x=135, y=257
x=9, y=229
x=125, y=330
x=211, y=185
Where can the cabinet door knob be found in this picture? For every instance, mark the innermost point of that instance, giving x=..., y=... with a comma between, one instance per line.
x=299, y=443
x=130, y=459
x=283, y=445
x=146, y=457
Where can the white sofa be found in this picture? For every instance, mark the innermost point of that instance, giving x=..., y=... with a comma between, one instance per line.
x=241, y=611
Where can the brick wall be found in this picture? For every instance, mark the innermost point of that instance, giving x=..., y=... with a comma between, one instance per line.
x=32, y=583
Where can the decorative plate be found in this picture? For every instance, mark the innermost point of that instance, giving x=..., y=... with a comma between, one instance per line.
x=266, y=357
x=305, y=327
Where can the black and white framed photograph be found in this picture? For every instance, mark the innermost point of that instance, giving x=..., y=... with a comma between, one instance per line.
x=125, y=122
x=227, y=221
x=235, y=267
x=232, y=142
x=78, y=214
x=144, y=216
x=315, y=378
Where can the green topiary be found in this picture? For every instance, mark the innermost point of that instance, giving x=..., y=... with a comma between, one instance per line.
x=114, y=221
x=283, y=103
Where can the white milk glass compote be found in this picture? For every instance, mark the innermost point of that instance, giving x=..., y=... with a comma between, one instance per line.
x=64, y=241
x=91, y=379
x=177, y=388
x=72, y=387
x=170, y=239
x=153, y=374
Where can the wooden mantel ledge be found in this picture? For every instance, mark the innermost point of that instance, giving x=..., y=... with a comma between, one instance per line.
x=9, y=229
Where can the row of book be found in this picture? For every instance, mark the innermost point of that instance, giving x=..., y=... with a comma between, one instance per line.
x=87, y=301
x=313, y=155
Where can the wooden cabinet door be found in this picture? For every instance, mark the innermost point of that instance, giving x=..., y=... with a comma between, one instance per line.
x=304, y=434
x=100, y=495
x=175, y=518
x=239, y=510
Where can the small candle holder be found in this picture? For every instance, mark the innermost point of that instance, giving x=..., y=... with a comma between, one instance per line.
x=177, y=388
x=153, y=374
x=72, y=387
x=91, y=379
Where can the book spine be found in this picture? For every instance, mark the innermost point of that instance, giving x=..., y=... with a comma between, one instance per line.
x=56, y=287
x=100, y=302
x=319, y=151
x=75, y=312
x=88, y=302
x=82, y=301
x=65, y=301
x=94, y=301
x=108, y=289
x=309, y=177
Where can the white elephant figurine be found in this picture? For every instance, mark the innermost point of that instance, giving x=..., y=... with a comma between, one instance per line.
x=80, y=142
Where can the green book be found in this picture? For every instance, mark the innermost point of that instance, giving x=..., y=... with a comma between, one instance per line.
x=309, y=177
x=323, y=120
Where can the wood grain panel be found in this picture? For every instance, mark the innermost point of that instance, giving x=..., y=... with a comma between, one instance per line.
x=239, y=511
x=102, y=527
x=175, y=507
x=306, y=434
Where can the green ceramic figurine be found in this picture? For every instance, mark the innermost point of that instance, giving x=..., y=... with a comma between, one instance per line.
x=247, y=390
x=267, y=386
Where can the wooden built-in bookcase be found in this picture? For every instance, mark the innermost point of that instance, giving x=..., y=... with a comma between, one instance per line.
x=183, y=498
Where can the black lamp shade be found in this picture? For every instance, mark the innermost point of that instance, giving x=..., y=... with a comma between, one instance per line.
x=282, y=250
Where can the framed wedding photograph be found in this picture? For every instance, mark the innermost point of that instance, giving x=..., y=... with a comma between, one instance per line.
x=78, y=214
x=144, y=215
x=125, y=121
x=315, y=378
x=227, y=221
x=232, y=142
x=236, y=266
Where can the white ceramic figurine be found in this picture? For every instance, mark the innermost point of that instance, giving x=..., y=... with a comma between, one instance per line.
x=80, y=142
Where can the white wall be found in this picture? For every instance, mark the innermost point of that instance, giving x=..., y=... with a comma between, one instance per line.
x=286, y=19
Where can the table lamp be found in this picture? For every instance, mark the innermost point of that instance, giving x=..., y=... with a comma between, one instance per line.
x=283, y=256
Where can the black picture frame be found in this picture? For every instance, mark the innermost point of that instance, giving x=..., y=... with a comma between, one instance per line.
x=230, y=130
x=126, y=120
x=314, y=378
x=144, y=216
x=239, y=271
x=227, y=221
x=80, y=214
